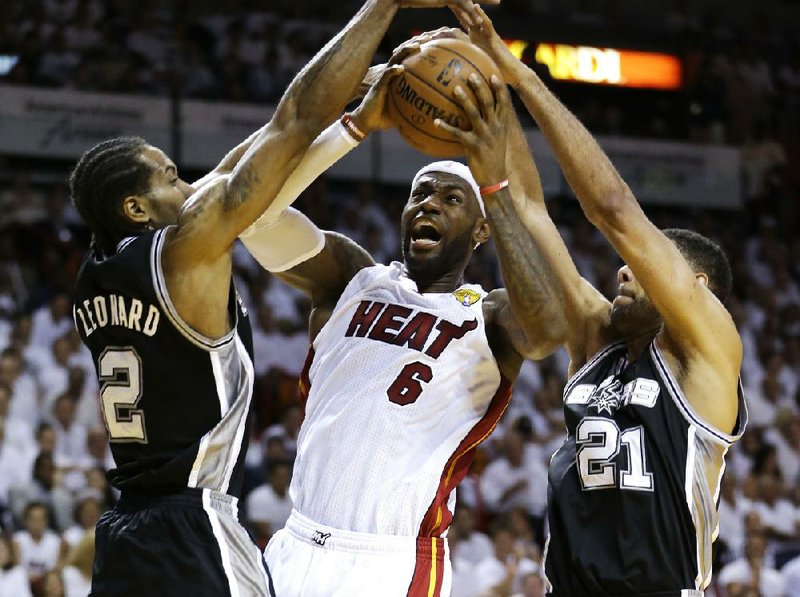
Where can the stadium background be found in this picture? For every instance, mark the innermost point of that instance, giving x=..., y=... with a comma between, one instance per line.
x=719, y=154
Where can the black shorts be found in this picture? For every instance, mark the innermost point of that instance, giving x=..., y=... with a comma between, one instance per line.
x=187, y=543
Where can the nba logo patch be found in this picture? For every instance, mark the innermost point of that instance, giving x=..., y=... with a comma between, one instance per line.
x=467, y=297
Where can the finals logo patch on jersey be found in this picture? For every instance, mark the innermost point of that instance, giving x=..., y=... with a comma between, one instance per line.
x=467, y=297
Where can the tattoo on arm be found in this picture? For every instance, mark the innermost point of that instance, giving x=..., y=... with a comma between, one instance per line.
x=240, y=187
x=527, y=274
x=306, y=81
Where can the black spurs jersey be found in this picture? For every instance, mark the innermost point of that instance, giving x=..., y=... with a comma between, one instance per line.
x=175, y=403
x=633, y=490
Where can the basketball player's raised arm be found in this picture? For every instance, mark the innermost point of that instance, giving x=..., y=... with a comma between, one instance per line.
x=214, y=217
x=529, y=309
x=696, y=322
x=586, y=310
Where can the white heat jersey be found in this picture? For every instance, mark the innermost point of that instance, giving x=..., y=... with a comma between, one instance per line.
x=401, y=388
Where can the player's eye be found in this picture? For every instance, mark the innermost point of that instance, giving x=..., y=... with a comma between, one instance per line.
x=454, y=199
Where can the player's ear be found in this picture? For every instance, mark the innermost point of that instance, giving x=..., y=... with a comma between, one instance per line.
x=702, y=278
x=481, y=233
x=134, y=209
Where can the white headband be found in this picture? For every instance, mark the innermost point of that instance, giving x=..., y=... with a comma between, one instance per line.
x=457, y=169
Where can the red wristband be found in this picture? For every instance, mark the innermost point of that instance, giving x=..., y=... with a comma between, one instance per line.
x=355, y=132
x=493, y=188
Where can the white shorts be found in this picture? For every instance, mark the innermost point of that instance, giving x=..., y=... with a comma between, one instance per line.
x=307, y=559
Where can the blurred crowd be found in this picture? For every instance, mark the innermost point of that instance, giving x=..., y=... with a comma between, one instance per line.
x=53, y=447
x=742, y=64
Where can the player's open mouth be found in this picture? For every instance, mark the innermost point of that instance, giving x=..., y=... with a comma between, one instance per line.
x=424, y=237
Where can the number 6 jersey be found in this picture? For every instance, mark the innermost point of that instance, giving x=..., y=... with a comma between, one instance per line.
x=175, y=403
x=633, y=490
x=401, y=388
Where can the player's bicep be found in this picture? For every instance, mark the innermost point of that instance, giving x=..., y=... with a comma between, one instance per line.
x=324, y=276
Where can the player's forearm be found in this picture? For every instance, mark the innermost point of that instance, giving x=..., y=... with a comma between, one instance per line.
x=591, y=175
x=526, y=188
x=329, y=147
x=533, y=291
x=329, y=81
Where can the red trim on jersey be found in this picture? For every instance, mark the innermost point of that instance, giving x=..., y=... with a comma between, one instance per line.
x=305, y=381
x=429, y=569
x=438, y=517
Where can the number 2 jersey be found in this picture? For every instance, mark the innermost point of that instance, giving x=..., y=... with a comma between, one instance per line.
x=401, y=388
x=175, y=403
x=633, y=490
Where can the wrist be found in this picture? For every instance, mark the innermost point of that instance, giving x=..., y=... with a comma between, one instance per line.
x=354, y=126
x=493, y=188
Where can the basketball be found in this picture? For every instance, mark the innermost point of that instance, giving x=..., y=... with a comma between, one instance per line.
x=424, y=92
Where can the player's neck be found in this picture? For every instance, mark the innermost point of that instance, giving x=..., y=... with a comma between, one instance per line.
x=638, y=343
x=444, y=283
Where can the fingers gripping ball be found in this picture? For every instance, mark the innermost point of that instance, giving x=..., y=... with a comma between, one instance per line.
x=424, y=92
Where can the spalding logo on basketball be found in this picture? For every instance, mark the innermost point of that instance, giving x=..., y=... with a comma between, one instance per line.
x=424, y=92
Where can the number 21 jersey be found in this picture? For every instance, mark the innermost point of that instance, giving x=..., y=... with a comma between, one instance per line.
x=632, y=491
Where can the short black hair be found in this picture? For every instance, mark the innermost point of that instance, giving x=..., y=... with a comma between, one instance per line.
x=102, y=178
x=704, y=256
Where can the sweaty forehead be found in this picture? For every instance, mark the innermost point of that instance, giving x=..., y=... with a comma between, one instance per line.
x=444, y=179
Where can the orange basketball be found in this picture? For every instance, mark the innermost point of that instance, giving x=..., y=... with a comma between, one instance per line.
x=424, y=92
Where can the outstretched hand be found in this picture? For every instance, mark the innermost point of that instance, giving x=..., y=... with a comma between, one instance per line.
x=403, y=51
x=373, y=112
x=485, y=143
x=483, y=34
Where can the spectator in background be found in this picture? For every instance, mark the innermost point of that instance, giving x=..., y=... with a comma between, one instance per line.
x=531, y=585
x=53, y=377
x=77, y=573
x=71, y=437
x=10, y=471
x=52, y=321
x=472, y=545
x=752, y=570
x=22, y=203
x=45, y=489
x=18, y=435
x=13, y=578
x=287, y=429
x=58, y=62
x=776, y=512
x=35, y=357
x=52, y=584
x=785, y=436
x=24, y=403
x=87, y=512
x=732, y=509
x=269, y=506
x=516, y=479
x=500, y=573
x=39, y=548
